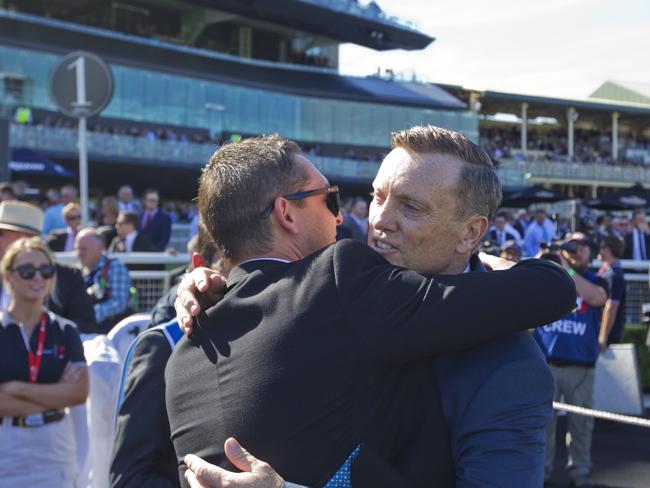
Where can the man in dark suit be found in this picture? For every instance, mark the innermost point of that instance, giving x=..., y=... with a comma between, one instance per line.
x=637, y=242
x=498, y=234
x=68, y=298
x=143, y=455
x=288, y=309
x=154, y=222
x=128, y=238
x=482, y=409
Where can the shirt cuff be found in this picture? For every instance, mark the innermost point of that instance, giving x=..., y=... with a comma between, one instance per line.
x=291, y=485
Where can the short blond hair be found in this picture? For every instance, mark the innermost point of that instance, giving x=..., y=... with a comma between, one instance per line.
x=69, y=207
x=19, y=246
x=478, y=191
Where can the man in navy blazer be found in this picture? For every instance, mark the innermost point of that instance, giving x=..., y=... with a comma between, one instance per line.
x=496, y=397
x=154, y=222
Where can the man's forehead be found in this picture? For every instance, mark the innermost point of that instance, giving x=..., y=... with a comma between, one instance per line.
x=410, y=168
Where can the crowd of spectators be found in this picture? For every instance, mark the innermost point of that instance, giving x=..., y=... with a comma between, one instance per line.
x=590, y=146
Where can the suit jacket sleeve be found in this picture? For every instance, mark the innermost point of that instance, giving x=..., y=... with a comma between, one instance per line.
x=70, y=300
x=161, y=239
x=400, y=316
x=497, y=418
x=143, y=455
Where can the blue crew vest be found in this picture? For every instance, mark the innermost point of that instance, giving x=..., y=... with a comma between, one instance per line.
x=172, y=333
x=573, y=338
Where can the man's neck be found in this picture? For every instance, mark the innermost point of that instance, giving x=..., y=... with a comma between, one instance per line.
x=456, y=268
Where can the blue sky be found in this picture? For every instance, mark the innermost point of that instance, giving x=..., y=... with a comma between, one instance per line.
x=563, y=48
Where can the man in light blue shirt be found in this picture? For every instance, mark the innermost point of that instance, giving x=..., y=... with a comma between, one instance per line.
x=54, y=214
x=540, y=230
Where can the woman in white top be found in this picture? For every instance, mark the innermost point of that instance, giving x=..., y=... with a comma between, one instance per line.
x=42, y=372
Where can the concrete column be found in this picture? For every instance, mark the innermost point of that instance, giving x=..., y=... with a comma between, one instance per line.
x=594, y=191
x=524, y=128
x=615, y=135
x=570, y=118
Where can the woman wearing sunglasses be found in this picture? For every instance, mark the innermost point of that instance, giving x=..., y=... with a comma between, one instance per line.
x=42, y=372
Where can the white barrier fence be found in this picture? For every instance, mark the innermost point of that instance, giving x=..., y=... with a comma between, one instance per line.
x=150, y=283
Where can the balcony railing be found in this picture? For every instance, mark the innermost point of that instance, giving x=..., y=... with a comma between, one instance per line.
x=583, y=173
x=123, y=147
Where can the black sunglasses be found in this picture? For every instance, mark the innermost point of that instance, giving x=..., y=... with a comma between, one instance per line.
x=28, y=271
x=332, y=199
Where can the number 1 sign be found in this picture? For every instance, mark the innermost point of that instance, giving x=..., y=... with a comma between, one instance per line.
x=81, y=85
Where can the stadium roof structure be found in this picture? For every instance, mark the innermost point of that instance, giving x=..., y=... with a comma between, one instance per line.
x=343, y=20
x=623, y=91
x=61, y=37
x=543, y=106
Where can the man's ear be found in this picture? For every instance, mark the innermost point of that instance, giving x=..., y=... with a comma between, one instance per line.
x=285, y=215
x=197, y=260
x=475, y=228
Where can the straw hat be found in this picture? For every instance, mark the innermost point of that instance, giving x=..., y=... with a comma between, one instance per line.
x=21, y=217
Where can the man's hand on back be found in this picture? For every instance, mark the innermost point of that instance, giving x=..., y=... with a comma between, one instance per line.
x=189, y=304
x=495, y=263
x=256, y=473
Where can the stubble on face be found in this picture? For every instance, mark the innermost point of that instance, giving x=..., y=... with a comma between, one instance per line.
x=413, y=221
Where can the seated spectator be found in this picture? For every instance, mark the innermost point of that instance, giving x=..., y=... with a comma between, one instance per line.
x=106, y=280
x=42, y=372
x=63, y=240
x=128, y=238
x=155, y=222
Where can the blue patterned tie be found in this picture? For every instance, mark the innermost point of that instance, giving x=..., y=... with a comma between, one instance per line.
x=342, y=478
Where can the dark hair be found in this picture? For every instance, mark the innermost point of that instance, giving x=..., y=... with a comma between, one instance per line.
x=615, y=244
x=131, y=218
x=7, y=188
x=241, y=180
x=206, y=247
x=478, y=189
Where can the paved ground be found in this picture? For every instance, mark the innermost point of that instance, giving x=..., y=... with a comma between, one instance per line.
x=620, y=454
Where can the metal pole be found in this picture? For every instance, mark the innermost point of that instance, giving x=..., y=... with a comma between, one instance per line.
x=614, y=136
x=524, y=128
x=83, y=171
x=570, y=115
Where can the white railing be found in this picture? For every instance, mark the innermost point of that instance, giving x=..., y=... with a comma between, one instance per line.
x=151, y=284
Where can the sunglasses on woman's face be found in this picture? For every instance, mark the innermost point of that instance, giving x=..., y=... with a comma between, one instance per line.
x=28, y=271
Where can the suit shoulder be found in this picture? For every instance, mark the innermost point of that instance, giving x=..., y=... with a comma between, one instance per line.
x=481, y=360
x=352, y=251
x=152, y=342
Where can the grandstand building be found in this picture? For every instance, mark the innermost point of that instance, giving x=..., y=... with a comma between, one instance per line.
x=579, y=147
x=192, y=73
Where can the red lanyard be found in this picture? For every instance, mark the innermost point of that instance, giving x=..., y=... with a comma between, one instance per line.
x=34, y=360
